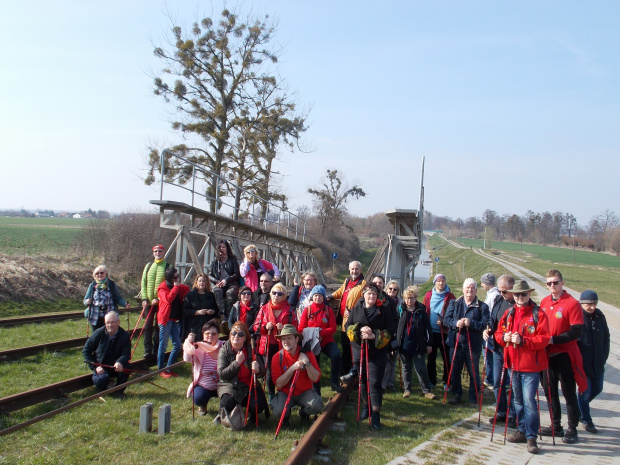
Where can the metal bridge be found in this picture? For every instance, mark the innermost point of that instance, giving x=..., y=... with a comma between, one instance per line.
x=244, y=218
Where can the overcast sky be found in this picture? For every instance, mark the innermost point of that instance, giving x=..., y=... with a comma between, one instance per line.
x=515, y=105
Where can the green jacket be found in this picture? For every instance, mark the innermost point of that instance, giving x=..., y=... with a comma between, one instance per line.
x=152, y=277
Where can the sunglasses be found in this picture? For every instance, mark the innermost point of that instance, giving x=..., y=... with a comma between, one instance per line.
x=505, y=292
x=553, y=283
x=520, y=294
x=278, y=293
x=393, y=289
x=252, y=250
x=100, y=272
x=246, y=293
x=237, y=333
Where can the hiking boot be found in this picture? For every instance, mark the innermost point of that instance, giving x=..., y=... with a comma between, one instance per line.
x=376, y=420
x=546, y=431
x=590, y=428
x=202, y=411
x=501, y=419
x=304, y=416
x=454, y=400
x=364, y=412
x=407, y=393
x=429, y=395
x=512, y=422
x=517, y=437
x=349, y=378
x=571, y=436
x=532, y=447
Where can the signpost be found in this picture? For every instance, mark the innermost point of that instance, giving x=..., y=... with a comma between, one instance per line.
x=334, y=257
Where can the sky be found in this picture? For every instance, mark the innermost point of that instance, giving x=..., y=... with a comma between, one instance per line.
x=514, y=106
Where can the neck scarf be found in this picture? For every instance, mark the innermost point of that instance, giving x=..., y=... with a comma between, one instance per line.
x=103, y=284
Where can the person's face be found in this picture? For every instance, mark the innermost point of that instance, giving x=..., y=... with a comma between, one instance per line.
x=237, y=338
x=504, y=290
x=370, y=298
x=111, y=324
x=379, y=283
x=246, y=297
x=202, y=283
x=309, y=282
x=277, y=296
x=210, y=336
x=289, y=342
x=392, y=291
x=265, y=283
x=522, y=298
x=252, y=255
x=555, y=284
x=318, y=298
x=440, y=284
x=158, y=253
x=221, y=249
x=355, y=270
x=100, y=274
x=469, y=292
x=176, y=277
x=589, y=307
x=410, y=301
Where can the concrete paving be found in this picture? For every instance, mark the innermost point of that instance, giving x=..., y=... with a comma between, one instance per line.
x=467, y=444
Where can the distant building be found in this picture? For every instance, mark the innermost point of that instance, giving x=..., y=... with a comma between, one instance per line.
x=77, y=215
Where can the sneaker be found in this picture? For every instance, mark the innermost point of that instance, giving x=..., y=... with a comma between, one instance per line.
x=202, y=411
x=517, y=437
x=488, y=385
x=512, y=423
x=364, y=413
x=349, y=378
x=376, y=420
x=590, y=428
x=546, y=431
x=165, y=374
x=532, y=447
x=173, y=374
x=571, y=436
x=454, y=400
x=407, y=393
x=428, y=395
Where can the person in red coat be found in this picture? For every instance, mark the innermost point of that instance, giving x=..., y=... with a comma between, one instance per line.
x=320, y=315
x=170, y=294
x=524, y=332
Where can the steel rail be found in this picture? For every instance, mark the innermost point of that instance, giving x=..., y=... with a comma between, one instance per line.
x=25, y=399
x=49, y=317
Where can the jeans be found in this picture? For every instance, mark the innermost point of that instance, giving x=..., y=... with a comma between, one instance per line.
x=333, y=353
x=500, y=396
x=170, y=330
x=202, y=395
x=101, y=381
x=595, y=387
x=490, y=369
x=417, y=361
x=462, y=358
x=525, y=387
x=431, y=364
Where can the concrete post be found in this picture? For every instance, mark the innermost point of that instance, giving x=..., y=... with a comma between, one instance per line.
x=164, y=419
x=146, y=417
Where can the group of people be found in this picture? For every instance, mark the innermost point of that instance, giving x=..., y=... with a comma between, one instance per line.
x=240, y=327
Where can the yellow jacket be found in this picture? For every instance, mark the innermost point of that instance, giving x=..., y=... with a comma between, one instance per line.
x=354, y=295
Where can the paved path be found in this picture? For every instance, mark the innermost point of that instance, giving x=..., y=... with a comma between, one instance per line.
x=466, y=443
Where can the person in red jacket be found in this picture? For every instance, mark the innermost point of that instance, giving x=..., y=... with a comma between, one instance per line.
x=170, y=294
x=524, y=331
x=320, y=315
x=565, y=363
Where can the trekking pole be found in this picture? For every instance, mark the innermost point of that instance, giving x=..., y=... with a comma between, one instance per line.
x=141, y=330
x=400, y=371
x=247, y=408
x=267, y=364
x=368, y=389
x=473, y=368
x=512, y=372
x=499, y=395
x=255, y=400
x=288, y=400
x=359, y=382
x=550, y=407
x=484, y=372
x=193, y=391
x=539, y=424
x=445, y=393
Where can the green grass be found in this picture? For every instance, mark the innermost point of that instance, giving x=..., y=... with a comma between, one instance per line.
x=10, y=308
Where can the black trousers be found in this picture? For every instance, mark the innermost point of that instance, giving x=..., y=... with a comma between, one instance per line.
x=431, y=363
x=377, y=360
x=345, y=365
x=150, y=338
x=560, y=370
x=228, y=402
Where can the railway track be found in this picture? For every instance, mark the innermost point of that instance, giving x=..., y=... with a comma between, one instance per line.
x=50, y=317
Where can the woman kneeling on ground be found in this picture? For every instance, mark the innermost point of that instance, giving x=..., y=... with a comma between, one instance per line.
x=236, y=365
x=203, y=357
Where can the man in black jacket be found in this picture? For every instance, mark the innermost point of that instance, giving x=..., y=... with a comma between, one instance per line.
x=107, y=351
x=262, y=295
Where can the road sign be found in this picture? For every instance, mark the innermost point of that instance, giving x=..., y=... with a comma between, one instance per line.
x=334, y=255
x=436, y=259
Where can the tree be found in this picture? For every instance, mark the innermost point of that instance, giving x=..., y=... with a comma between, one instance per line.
x=330, y=200
x=226, y=100
x=515, y=227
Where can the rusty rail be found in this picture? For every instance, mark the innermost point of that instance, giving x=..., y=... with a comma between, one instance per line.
x=48, y=317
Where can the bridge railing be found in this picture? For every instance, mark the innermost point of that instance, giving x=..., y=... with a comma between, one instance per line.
x=229, y=199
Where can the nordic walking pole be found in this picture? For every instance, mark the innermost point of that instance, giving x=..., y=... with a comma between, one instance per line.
x=512, y=372
x=247, y=408
x=499, y=394
x=550, y=407
x=288, y=400
x=141, y=330
x=539, y=424
x=445, y=393
x=473, y=368
x=368, y=389
x=484, y=372
x=359, y=381
x=400, y=371
x=193, y=391
x=267, y=364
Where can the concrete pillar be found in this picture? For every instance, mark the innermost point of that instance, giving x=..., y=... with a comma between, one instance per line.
x=146, y=417
x=164, y=419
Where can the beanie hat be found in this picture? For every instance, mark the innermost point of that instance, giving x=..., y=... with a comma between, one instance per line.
x=488, y=278
x=437, y=276
x=588, y=297
x=318, y=289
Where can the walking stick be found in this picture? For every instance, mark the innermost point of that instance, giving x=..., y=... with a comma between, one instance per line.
x=267, y=364
x=484, y=372
x=550, y=407
x=445, y=393
x=473, y=368
x=255, y=400
x=368, y=389
x=512, y=372
x=400, y=371
x=141, y=330
x=288, y=400
x=499, y=394
x=247, y=407
x=359, y=381
x=539, y=424
x=193, y=391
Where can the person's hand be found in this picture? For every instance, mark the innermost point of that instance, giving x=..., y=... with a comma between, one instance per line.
x=210, y=312
x=276, y=279
x=118, y=367
x=299, y=365
x=99, y=370
x=269, y=326
x=88, y=302
x=459, y=324
x=295, y=283
x=303, y=357
x=515, y=338
x=485, y=334
x=346, y=315
x=240, y=357
x=279, y=327
x=506, y=337
x=466, y=322
x=127, y=306
x=429, y=349
x=191, y=337
x=144, y=304
x=221, y=283
x=255, y=367
x=155, y=301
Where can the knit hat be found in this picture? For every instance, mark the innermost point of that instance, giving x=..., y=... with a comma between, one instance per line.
x=318, y=289
x=437, y=276
x=588, y=297
x=488, y=278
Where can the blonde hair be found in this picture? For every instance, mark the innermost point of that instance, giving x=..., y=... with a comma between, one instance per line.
x=279, y=287
x=247, y=249
x=101, y=268
x=411, y=291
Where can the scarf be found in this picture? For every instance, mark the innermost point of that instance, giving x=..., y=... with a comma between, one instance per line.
x=243, y=312
x=102, y=285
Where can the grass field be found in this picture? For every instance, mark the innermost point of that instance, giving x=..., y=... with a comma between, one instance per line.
x=31, y=236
